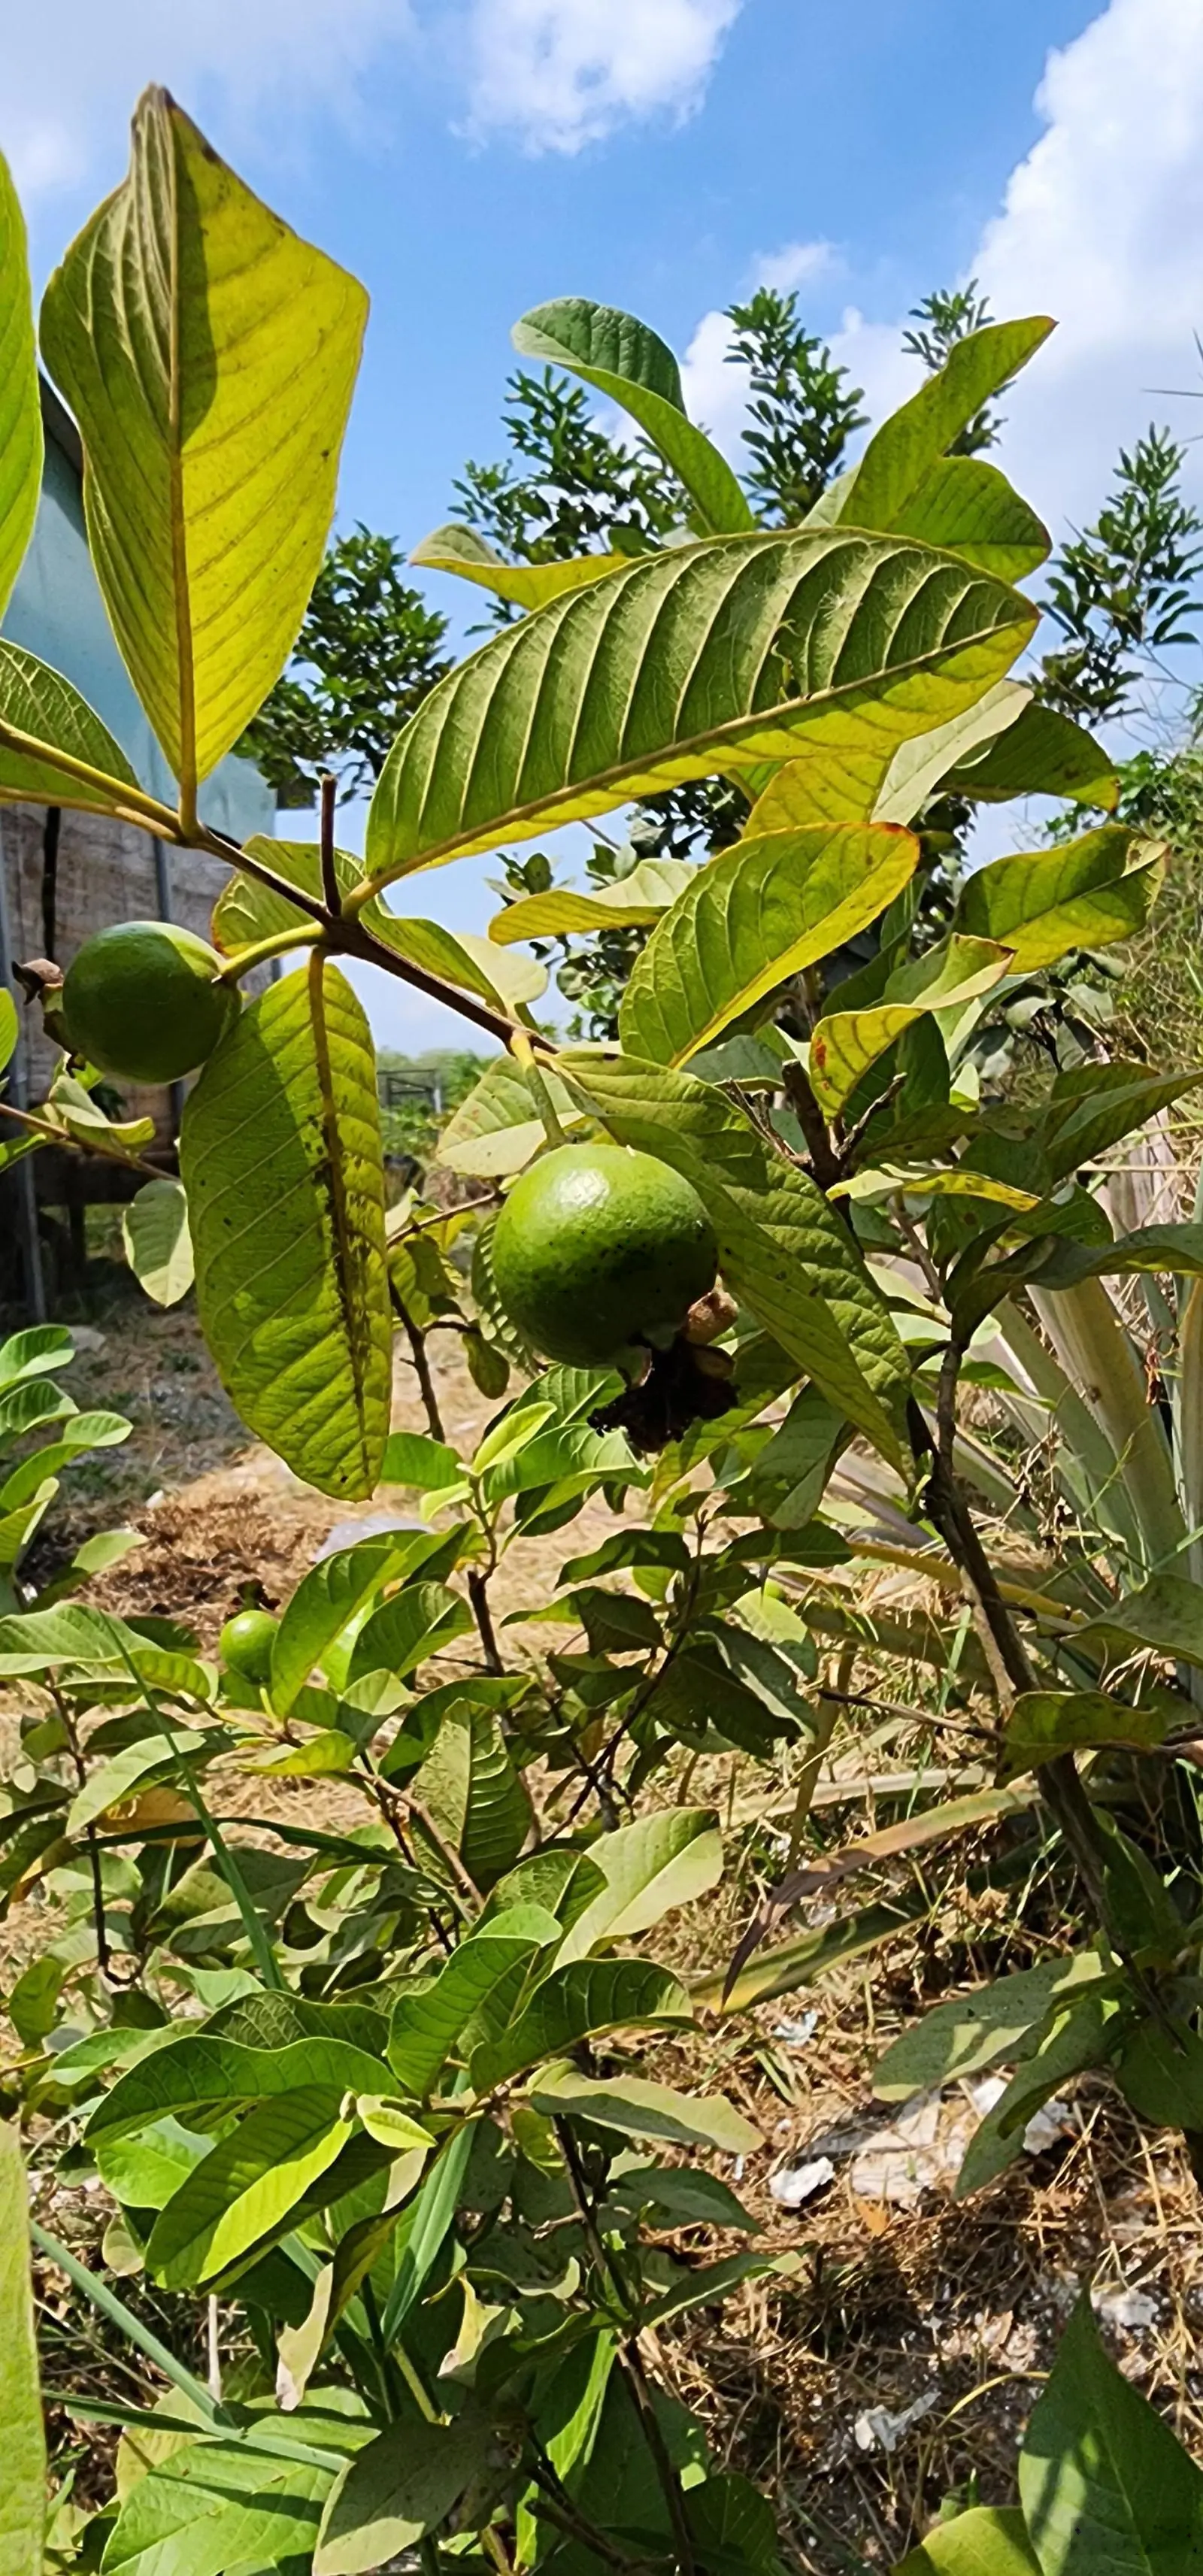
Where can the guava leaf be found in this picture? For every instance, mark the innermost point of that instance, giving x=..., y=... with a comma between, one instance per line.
x=218, y=2506
x=643, y=2110
x=1103, y=2482
x=903, y=451
x=1041, y=754
x=281, y=1157
x=428, y=2021
x=630, y=363
x=245, y=2187
x=782, y=1250
x=329, y=1596
x=400, y=2487
x=478, y=1801
x=984, y=2028
x=1042, y=1724
x=724, y=654
x=43, y=715
x=203, y=2069
x=1081, y=895
x=497, y=1129
x=461, y=550
x=23, y=2485
x=158, y=1246
x=989, y=2540
x=209, y=356
x=751, y=918
x=660, y=1862
x=845, y=1043
x=965, y=504
x=20, y=409
x=638, y=899
x=247, y=911
x=413, y=1624
x=578, y=2001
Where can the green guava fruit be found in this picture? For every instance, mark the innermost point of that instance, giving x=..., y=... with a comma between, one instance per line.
x=597, y=1249
x=246, y=1642
x=140, y=1001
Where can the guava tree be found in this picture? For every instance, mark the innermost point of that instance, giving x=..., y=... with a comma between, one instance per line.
x=372, y=2095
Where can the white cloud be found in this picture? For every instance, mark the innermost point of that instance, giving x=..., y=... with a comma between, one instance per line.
x=795, y=264
x=1101, y=225
x=563, y=73
x=71, y=74
x=553, y=74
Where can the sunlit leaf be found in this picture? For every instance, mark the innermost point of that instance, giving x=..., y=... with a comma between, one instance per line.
x=845, y=1043
x=642, y=2110
x=718, y=655
x=42, y=714
x=578, y=2002
x=497, y=1129
x=903, y=451
x=23, y=2485
x=400, y=2487
x=209, y=356
x=1082, y=894
x=967, y=505
x=638, y=899
x=20, y=409
x=457, y=549
x=1102, y=2479
x=990, y=2026
x=281, y=1157
x=247, y=2185
x=1043, y=1724
x=661, y=1861
x=748, y=921
x=989, y=2540
x=630, y=363
x=158, y=1246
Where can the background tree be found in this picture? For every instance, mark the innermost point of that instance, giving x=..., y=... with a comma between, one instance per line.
x=566, y=488
x=368, y=653
x=803, y=408
x=1121, y=591
x=945, y=316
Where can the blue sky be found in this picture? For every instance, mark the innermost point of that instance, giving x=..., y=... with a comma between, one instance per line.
x=468, y=158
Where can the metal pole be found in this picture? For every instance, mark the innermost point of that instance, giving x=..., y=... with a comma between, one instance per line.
x=26, y=1194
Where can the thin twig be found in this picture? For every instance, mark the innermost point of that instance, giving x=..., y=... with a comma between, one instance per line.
x=51, y=1135
x=330, y=893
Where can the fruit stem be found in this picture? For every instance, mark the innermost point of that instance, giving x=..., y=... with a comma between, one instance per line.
x=244, y=959
x=524, y=1055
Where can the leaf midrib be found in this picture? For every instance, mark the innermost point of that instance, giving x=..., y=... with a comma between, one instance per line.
x=879, y=684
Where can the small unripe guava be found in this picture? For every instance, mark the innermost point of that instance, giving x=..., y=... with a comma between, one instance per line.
x=598, y=1249
x=246, y=1642
x=141, y=1001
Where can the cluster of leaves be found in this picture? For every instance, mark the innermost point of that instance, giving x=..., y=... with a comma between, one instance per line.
x=377, y=2091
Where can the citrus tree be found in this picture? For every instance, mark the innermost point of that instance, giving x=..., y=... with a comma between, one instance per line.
x=384, y=2098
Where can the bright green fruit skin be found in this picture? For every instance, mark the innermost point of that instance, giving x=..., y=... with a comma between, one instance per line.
x=140, y=1001
x=246, y=1642
x=597, y=1248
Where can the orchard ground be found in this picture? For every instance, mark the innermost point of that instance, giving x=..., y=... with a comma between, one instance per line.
x=900, y=2362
